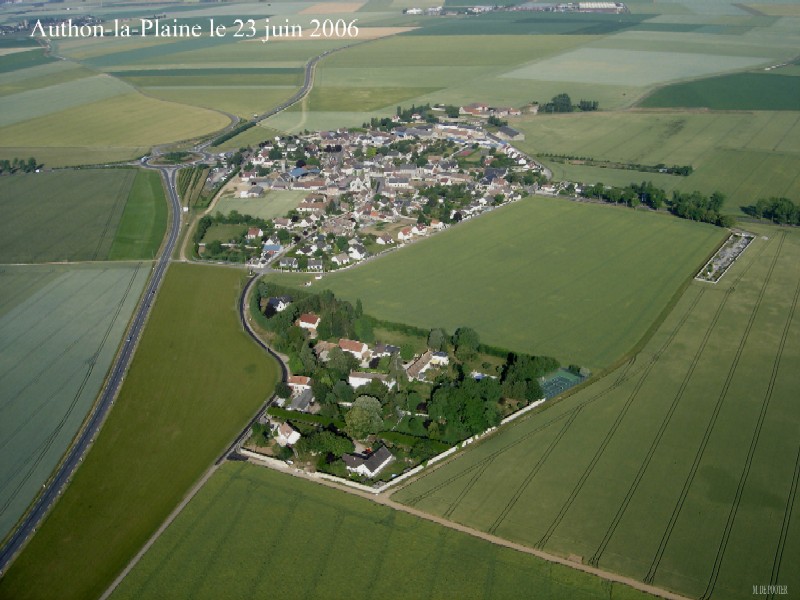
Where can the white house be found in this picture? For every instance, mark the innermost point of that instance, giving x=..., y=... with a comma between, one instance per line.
x=358, y=379
x=354, y=347
x=308, y=321
x=299, y=383
x=368, y=466
x=287, y=435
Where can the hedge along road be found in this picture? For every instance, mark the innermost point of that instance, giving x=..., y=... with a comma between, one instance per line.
x=53, y=489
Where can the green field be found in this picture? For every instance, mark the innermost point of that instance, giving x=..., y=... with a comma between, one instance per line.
x=60, y=327
x=41, y=101
x=578, y=282
x=678, y=467
x=742, y=91
x=169, y=423
x=241, y=101
x=100, y=214
x=744, y=155
x=117, y=128
x=144, y=219
x=267, y=520
x=274, y=204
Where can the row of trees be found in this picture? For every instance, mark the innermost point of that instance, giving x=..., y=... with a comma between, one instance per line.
x=562, y=103
x=693, y=205
x=778, y=210
x=8, y=167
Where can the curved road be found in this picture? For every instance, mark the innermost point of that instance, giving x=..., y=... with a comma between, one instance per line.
x=75, y=454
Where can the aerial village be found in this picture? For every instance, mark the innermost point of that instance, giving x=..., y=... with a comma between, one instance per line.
x=365, y=400
x=374, y=189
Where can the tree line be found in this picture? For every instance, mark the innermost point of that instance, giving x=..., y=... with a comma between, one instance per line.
x=8, y=167
x=562, y=103
x=695, y=206
x=778, y=210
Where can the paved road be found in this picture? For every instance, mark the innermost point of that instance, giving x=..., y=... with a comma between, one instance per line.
x=85, y=438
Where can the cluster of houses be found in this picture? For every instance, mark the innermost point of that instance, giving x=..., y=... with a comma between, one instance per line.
x=368, y=464
x=356, y=190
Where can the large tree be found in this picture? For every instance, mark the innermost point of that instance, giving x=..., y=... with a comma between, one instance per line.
x=364, y=417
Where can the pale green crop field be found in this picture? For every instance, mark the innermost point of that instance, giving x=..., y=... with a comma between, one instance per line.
x=680, y=467
x=546, y=276
x=60, y=328
x=120, y=127
x=243, y=101
x=629, y=67
x=746, y=155
x=23, y=106
x=41, y=77
x=273, y=204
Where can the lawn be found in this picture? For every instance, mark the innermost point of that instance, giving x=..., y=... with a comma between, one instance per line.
x=274, y=204
x=579, y=282
x=60, y=327
x=222, y=232
x=678, y=467
x=267, y=519
x=741, y=91
x=124, y=126
x=169, y=423
x=144, y=219
x=744, y=155
x=62, y=215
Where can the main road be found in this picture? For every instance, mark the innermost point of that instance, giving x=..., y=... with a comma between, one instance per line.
x=55, y=486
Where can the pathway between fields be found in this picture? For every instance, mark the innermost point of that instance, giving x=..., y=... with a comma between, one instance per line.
x=385, y=500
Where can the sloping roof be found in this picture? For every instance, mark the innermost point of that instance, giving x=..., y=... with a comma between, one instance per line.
x=352, y=345
x=378, y=459
x=302, y=401
x=309, y=318
x=299, y=380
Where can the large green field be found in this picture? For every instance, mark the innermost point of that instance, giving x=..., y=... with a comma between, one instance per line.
x=744, y=155
x=742, y=91
x=579, y=282
x=60, y=327
x=85, y=215
x=267, y=520
x=171, y=420
x=144, y=219
x=679, y=468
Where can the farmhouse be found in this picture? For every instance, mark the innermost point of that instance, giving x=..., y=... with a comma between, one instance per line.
x=356, y=348
x=308, y=321
x=299, y=383
x=368, y=465
x=254, y=233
